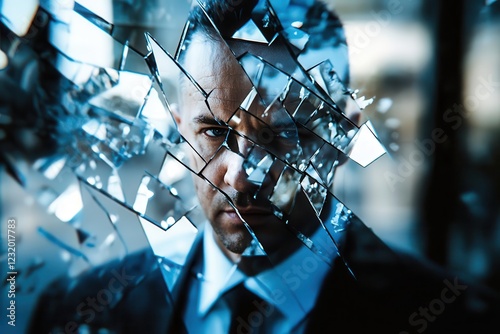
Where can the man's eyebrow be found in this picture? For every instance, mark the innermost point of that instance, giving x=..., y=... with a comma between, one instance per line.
x=281, y=124
x=206, y=119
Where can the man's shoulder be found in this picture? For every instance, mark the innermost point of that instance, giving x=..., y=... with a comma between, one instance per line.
x=374, y=287
x=120, y=296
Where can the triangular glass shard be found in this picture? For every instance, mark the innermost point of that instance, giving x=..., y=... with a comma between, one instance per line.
x=317, y=76
x=156, y=113
x=328, y=123
x=309, y=144
x=313, y=174
x=132, y=60
x=127, y=97
x=254, y=249
x=250, y=32
x=273, y=86
x=249, y=100
x=257, y=168
x=273, y=129
x=171, y=246
x=166, y=69
x=237, y=117
x=365, y=147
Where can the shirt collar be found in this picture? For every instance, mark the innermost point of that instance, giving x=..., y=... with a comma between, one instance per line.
x=219, y=274
x=292, y=286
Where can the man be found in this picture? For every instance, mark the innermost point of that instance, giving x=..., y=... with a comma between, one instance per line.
x=228, y=132
x=264, y=108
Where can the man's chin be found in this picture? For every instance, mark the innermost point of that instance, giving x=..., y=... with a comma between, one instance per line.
x=237, y=248
x=235, y=242
x=235, y=238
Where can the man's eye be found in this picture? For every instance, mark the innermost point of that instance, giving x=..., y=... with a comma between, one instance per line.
x=215, y=132
x=288, y=134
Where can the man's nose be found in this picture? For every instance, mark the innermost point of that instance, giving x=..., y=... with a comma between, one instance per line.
x=236, y=176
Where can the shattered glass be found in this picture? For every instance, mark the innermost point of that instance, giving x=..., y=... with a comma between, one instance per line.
x=116, y=172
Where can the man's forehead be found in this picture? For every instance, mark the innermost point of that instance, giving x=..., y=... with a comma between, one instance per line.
x=212, y=65
x=218, y=72
x=248, y=84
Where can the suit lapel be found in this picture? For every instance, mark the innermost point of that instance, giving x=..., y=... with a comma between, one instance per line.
x=379, y=297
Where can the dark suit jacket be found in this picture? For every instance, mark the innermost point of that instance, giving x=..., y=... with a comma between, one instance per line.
x=391, y=293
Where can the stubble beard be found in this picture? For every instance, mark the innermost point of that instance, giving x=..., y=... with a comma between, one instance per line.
x=234, y=242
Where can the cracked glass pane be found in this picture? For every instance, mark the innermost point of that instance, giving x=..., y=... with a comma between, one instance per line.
x=190, y=172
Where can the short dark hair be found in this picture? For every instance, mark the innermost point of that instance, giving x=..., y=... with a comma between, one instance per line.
x=228, y=16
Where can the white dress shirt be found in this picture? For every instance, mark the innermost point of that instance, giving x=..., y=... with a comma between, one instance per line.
x=291, y=288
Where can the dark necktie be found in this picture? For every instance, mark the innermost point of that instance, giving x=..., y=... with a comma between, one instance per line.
x=248, y=311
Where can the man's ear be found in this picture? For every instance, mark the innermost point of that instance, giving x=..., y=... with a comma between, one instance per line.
x=174, y=108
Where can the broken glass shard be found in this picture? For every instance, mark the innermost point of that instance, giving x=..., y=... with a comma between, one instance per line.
x=159, y=203
x=365, y=147
x=341, y=217
x=287, y=186
x=315, y=192
x=327, y=78
x=325, y=161
x=250, y=32
x=256, y=167
x=126, y=97
x=296, y=37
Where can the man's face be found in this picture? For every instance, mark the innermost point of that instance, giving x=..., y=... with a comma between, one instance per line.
x=223, y=137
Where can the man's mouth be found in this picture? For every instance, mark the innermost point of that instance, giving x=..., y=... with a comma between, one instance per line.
x=252, y=216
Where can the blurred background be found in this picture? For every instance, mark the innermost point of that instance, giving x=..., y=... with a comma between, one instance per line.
x=434, y=70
